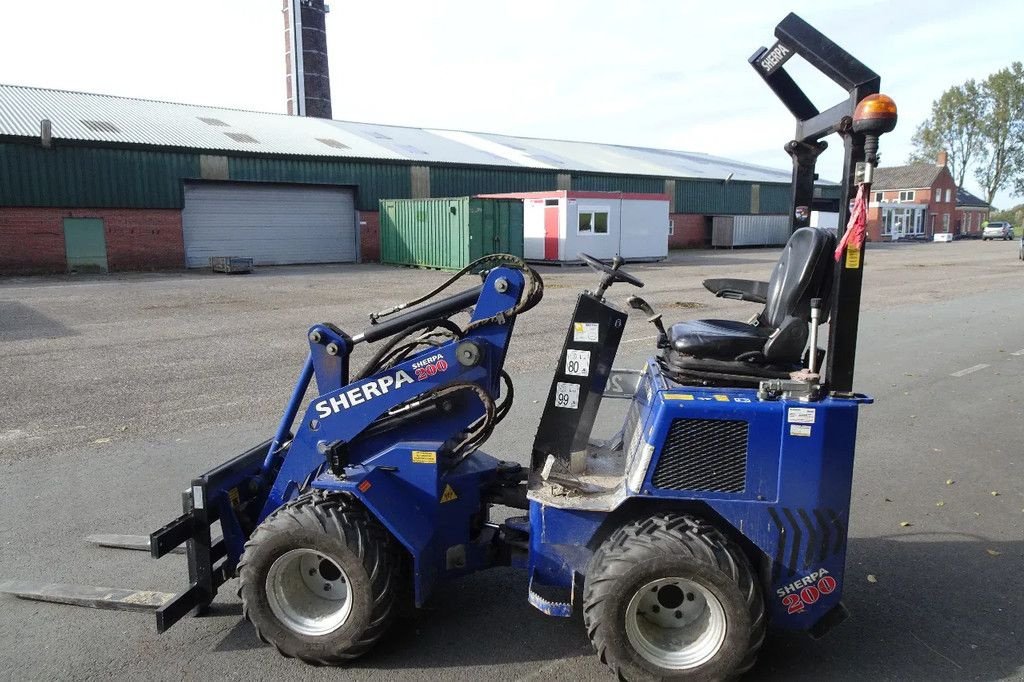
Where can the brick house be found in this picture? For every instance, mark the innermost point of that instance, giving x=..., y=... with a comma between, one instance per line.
x=917, y=200
x=971, y=212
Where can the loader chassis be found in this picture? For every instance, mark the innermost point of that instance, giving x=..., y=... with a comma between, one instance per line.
x=720, y=508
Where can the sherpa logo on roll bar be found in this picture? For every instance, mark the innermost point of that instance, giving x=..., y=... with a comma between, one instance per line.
x=774, y=57
x=362, y=394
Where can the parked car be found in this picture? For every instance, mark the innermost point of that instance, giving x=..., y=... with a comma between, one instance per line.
x=997, y=229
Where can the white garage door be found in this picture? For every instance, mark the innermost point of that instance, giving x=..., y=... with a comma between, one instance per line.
x=273, y=224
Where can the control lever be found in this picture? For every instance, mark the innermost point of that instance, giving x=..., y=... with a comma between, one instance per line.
x=654, y=318
x=812, y=359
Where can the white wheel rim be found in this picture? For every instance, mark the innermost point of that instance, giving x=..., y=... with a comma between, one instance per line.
x=675, y=623
x=309, y=592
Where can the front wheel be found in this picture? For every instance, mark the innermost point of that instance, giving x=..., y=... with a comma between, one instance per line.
x=318, y=579
x=670, y=597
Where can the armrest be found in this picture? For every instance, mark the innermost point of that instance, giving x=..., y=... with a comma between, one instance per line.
x=738, y=289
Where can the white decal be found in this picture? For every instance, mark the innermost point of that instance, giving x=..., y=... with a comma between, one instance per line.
x=358, y=395
x=585, y=332
x=567, y=395
x=799, y=430
x=774, y=57
x=577, y=363
x=801, y=415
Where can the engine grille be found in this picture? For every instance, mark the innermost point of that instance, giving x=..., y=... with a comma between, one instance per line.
x=704, y=454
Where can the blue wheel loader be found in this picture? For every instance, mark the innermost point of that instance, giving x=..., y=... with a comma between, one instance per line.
x=718, y=511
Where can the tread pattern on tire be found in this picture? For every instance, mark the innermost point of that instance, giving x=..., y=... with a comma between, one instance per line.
x=343, y=517
x=669, y=534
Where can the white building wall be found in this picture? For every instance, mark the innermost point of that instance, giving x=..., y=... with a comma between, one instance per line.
x=644, y=229
x=533, y=229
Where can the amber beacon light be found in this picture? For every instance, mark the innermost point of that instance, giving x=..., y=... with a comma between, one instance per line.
x=874, y=115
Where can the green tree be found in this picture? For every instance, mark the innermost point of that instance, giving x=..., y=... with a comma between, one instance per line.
x=955, y=127
x=1001, y=162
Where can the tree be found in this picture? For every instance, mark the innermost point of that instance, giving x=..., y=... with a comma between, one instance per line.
x=955, y=127
x=1002, y=131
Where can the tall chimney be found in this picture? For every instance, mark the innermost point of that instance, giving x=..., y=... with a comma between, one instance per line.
x=305, y=39
x=942, y=159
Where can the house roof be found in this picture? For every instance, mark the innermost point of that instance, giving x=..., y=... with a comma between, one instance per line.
x=120, y=120
x=965, y=199
x=912, y=176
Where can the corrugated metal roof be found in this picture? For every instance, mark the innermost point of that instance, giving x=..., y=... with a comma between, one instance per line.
x=104, y=118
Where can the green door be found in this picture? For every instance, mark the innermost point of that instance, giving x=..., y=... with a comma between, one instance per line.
x=85, y=244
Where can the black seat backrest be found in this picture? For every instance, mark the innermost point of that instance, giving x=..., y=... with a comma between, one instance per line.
x=803, y=272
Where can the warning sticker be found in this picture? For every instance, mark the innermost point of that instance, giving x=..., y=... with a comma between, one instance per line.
x=678, y=396
x=567, y=395
x=448, y=495
x=801, y=415
x=424, y=457
x=852, y=258
x=577, y=363
x=364, y=486
x=722, y=398
x=585, y=332
x=799, y=430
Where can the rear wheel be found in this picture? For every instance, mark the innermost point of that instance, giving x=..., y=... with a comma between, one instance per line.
x=670, y=597
x=318, y=579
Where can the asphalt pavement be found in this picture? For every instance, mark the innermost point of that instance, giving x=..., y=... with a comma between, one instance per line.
x=940, y=450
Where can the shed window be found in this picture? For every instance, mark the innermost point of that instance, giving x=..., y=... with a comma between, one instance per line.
x=593, y=222
x=551, y=202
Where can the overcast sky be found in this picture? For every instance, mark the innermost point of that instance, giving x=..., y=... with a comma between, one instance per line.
x=670, y=74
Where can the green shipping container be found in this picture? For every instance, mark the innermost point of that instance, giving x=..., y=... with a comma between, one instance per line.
x=449, y=233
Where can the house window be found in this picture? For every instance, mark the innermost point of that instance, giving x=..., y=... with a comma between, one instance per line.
x=938, y=195
x=945, y=222
x=878, y=197
x=593, y=222
x=948, y=193
x=967, y=222
x=671, y=227
x=907, y=195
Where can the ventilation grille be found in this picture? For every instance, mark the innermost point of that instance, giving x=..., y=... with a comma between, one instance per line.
x=704, y=454
x=101, y=126
x=242, y=137
x=212, y=121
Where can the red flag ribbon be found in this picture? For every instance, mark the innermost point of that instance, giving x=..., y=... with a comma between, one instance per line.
x=854, y=235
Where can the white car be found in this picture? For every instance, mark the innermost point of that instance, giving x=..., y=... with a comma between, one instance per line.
x=997, y=229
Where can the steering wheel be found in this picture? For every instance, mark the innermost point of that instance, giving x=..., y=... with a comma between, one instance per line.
x=614, y=273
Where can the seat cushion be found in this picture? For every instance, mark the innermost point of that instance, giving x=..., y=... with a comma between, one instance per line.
x=720, y=339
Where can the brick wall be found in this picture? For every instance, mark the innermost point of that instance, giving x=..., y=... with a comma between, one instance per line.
x=933, y=217
x=369, y=236
x=688, y=231
x=32, y=239
x=968, y=221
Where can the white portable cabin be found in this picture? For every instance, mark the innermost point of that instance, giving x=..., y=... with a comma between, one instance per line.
x=558, y=225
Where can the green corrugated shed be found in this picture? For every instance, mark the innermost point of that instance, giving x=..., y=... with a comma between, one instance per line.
x=374, y=181
x=449, y=233
x=454, y=181
x=702, y=196
x=617, y=183
x=102, y=178
x=775, y=198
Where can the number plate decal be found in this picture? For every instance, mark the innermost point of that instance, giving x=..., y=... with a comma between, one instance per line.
x=567, y=395
x=577, y=363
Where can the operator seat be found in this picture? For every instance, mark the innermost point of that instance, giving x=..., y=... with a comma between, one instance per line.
x=771, y=345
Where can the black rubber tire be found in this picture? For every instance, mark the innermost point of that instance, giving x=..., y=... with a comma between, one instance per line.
x=672, y=545
x=340, y=527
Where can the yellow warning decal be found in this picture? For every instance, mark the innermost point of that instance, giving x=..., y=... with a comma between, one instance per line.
x=233, y=498
x=678, y=396
x=448, y=495
x=424, y=457
x=852, y=258
x=722, y=398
